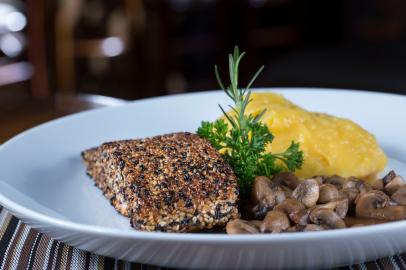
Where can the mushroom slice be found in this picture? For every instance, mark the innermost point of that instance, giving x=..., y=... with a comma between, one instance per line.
x=350, y=193
x=375, y=204
x=319, y=179
x=357, y=225
x=350, y=221
x=295, y=228
x=339, y=206
x=261, y=188
x=324, y=216
x=307, y=192
x=289, y=206
x=264, y=206
x=353, y=182
x=336, y=180
x=288, y=192
x=286, y=178
x=400, y=196
x=275, y=222
x=396, y=183
x=313, y=228
x=377, y=184
x=280, y=195
x=388, y=177
x=301, y=217
x=239, y=226
x=328, y=193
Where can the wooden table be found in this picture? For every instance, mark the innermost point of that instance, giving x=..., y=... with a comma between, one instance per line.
x=20, y=112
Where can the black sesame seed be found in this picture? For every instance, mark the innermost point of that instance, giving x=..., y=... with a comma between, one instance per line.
x=188, y=203
x=121, y=164
x=185, y=221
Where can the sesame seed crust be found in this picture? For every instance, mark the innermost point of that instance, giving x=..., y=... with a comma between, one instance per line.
x=175, y=182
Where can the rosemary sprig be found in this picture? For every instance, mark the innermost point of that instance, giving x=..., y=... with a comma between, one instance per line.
x=243, y=144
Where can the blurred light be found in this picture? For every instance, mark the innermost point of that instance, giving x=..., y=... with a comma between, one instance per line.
x=5, y=10
x=15, y=21
x=112, y=46
x=11, y=45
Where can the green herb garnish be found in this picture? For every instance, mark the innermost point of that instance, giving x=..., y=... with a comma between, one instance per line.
x=244, y=140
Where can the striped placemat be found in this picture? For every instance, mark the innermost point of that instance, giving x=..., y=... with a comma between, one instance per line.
x=24, y=248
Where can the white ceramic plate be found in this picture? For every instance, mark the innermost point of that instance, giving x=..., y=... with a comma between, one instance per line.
x=43, y=182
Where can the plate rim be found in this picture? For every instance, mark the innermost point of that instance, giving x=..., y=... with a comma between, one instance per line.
x=29, y=214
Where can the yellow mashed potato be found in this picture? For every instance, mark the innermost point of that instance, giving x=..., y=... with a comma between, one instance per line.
x=331, y=145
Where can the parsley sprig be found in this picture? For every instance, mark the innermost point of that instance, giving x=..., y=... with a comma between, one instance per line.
x=244, y=140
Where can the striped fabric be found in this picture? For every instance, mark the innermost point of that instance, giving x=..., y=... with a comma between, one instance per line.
x=23, y=248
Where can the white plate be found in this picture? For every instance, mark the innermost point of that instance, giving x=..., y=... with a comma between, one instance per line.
x=43, y=182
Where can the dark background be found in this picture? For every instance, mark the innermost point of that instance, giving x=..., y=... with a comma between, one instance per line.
x=133, y=49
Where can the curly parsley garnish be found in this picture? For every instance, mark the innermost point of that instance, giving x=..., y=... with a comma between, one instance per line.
x=244, y=140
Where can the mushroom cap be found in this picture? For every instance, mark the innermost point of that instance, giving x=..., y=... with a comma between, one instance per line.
x=313, y=228
x=339, y=206
x=239, y=226
x=263, y=207
x=396, y=183
x=377, y=184
x=328, y=193
x=295, y=228
x=288, y=179
x=307, y=192
x=375, y=204
x=353, y=182
x=388, y=177
x=301, y=217
x=336, y=180
x=260, y=189
x=280, y=195
x=400, y=196
x=275, y=221
x=349, y=193
x=324, y=216
x=289, y=206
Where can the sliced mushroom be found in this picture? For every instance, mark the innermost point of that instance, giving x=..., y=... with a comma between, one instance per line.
x=319, y=179
x=295, y=228
x=396, y=183
x=350, y=193
x=357, y=225
x=288, y=192
x=313, y=228
x=377, y=184
x=307, y=192
x=301, y=217
x=323, y=216
x=400, y=196
x=336, y=180
x=328, y=193
x=280, y=195
x=286, y=178
x=339, y=206
x=388, y=177
x=275, y=221
x=261, y=188
x=375, y=204
x=353, y=182
x=239, y=226
x=289, y=206
x=351, y=221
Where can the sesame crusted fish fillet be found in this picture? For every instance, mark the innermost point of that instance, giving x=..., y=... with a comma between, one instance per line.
x=176, y=182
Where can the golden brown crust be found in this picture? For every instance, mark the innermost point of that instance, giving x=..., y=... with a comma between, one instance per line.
x=174, y=182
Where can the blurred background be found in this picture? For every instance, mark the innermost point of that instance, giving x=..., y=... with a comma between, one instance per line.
x=60, y=56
